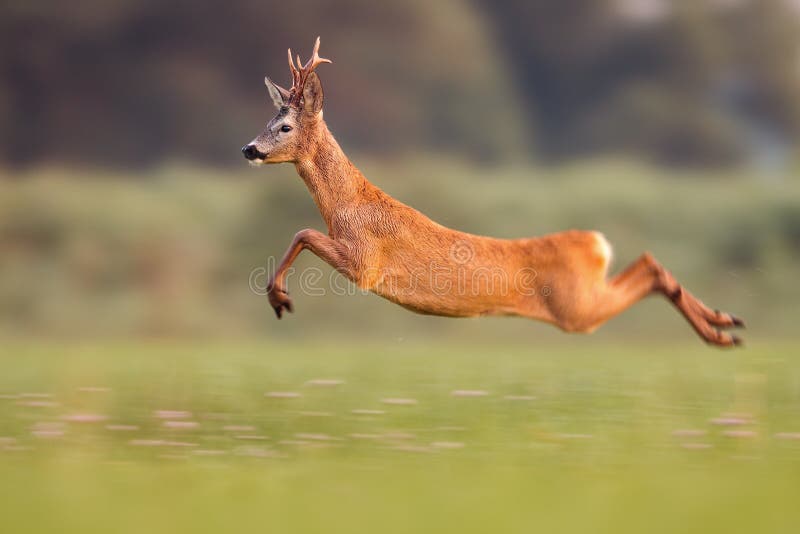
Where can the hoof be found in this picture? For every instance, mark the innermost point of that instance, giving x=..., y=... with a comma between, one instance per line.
x=726, y=320
x=722, y=339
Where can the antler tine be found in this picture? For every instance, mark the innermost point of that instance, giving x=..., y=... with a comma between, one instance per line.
x=292, y=68
x=316, y=47
x=315, y=60
x=301, y=72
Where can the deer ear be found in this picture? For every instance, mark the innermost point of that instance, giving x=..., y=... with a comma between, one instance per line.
x=278, y=94
x=312, y=95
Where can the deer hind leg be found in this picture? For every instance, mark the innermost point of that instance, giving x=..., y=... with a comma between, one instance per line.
x=646, y=276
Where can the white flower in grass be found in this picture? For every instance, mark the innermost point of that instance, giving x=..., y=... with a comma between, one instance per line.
x=85, y=418
x=448, y=444
x=171, y=414
x=325, y=382
x=729, y=421
x=181, y=424
x=282, y=394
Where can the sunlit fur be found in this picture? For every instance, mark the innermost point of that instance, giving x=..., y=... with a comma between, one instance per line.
x=397, y=252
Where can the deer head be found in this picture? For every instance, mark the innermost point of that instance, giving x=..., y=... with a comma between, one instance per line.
x=287, y=136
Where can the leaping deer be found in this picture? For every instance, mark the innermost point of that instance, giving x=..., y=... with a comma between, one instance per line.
x=395, y=251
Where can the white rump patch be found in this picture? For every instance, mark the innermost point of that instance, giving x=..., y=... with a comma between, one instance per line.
x=604, y=248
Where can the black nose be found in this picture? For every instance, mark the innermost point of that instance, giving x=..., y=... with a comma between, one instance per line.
x=251, y=152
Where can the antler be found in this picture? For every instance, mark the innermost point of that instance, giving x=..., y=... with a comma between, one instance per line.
x=301, y=72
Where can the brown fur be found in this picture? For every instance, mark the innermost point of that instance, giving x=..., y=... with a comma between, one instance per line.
x=389, y=248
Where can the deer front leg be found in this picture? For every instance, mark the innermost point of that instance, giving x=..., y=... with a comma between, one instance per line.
x=332, y=252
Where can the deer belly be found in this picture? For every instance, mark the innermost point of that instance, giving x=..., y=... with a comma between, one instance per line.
x=449, y=291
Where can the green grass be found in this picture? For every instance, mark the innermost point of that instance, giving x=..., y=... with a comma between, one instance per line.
x=561, y=439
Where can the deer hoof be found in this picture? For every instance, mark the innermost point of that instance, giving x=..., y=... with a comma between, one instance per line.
x=723, y=339
x=280, y=301
x=724, y=320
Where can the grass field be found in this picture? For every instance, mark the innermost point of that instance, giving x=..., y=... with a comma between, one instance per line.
x=171, y=437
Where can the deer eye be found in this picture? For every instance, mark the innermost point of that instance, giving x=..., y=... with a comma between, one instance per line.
x=286, y=128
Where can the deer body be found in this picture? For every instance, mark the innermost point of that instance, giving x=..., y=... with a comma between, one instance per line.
x=393, y=250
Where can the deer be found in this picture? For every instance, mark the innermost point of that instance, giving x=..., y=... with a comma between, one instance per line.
x=388, y=248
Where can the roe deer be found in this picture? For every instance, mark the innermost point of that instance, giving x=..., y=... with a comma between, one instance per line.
x=393, y=250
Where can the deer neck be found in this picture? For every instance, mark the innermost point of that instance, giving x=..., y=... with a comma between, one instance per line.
x=332, y=179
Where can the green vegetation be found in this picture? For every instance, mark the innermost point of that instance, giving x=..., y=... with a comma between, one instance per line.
x=145, y=385
x=99, y=254
x=685, y=82
x=137, y=83
x=169, y=437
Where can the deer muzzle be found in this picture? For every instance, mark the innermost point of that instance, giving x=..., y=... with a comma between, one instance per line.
x=252, y=153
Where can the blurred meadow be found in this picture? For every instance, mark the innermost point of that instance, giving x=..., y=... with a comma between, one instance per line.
x=414, y=437
x=145, y=383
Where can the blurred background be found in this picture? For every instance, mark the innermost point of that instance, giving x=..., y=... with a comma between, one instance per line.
x=146, y=385
x=126, y=208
